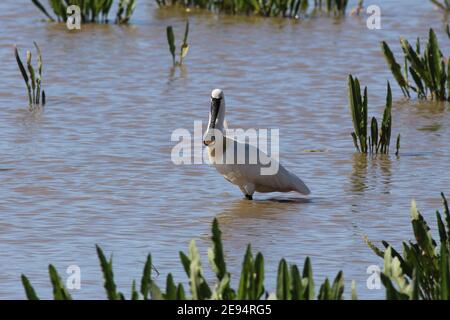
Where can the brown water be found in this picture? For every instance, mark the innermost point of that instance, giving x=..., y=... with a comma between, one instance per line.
x=95, y=166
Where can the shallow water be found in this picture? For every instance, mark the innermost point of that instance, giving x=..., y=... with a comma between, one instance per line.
x=95, y=166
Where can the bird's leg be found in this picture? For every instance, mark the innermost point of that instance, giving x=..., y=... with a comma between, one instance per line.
x=248, y=191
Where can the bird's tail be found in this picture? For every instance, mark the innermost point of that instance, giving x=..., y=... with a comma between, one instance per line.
x=299, y=186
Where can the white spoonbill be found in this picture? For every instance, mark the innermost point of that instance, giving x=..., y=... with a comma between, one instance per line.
x=246, y=175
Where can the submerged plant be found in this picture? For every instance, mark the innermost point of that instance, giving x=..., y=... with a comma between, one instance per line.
x=423, y=270
x=380, y=138
x=266, y=8
x=33, y=79
x=429, y=70
x=94, y=11
x=291, y=284
x=184, y=48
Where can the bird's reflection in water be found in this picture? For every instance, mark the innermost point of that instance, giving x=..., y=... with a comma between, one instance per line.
x=259, y=222
x=289, y=200
x=269, y=208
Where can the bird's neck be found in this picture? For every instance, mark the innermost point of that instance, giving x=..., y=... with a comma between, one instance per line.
x=220, y=124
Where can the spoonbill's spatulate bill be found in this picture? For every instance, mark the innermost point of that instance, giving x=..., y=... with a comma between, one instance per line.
x=248, y=175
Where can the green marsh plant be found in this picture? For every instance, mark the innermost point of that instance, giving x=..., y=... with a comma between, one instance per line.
x=125, y=11
x=425, y=73
x=92, y=11
x=442, y=4
x=291, y=284
x=32, y=78
x=422, y=271
x=266, y=8
x=184, y=48
x=379, y=139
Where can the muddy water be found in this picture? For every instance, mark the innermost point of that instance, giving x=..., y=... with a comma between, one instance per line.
x=95, y=166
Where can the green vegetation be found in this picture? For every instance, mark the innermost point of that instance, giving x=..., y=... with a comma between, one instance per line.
x=184, y=48
x=379, y=140
x=291, y=283
x=125, y=11
x=93, y=11
x=33, y=80
x=423, y=271
x=429, y=71
x=266, y=8
x=442, y=4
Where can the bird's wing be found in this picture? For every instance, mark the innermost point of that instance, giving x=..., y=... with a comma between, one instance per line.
x=268, y=177
x=282, y=181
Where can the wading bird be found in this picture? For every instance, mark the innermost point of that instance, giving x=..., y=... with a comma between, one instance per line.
x=247, y=175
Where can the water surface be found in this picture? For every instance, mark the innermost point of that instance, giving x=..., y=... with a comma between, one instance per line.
x=95, y=166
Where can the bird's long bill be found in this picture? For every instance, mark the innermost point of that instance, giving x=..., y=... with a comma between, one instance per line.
x=209, y=136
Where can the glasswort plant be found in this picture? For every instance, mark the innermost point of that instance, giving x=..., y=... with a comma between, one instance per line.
x=125, y=11
x=266, y=8
x=184, y=45
x=379, y=139
x=93, y=11
x=442, y=4
x=423, y=270
x=33, y=80
x=429, y=70
x=291, y=284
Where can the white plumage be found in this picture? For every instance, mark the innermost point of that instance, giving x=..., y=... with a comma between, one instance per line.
x=247, y=176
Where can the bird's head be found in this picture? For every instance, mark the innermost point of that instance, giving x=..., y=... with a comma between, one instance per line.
x=217, y=111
